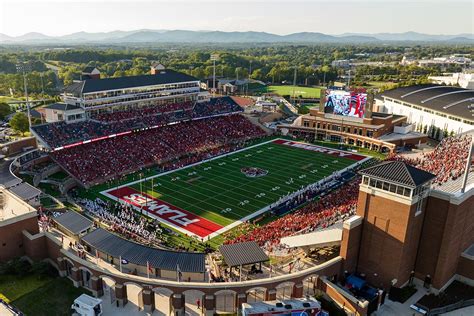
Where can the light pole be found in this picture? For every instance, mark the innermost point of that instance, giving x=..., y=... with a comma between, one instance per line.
x=42, y=87
x=294, y=84
x=24, y=68
x=214, y=58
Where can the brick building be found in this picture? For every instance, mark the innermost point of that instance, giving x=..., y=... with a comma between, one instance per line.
x=404, y=224
x=376, y=131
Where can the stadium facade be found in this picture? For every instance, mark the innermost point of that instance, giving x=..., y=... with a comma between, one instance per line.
x=94, y=95
x=377, y=131
x=447, y=108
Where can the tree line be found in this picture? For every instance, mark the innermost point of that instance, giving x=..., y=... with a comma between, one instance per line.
x=270, y=64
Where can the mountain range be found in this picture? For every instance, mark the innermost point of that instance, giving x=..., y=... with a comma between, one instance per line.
x=183, y=36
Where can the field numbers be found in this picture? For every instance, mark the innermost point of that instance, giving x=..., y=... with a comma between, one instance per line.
x=207, y=168
x=222, y=163
x=227, y=210
x=314, y=171
x=276, y=188
x=235, y=159
x=302, y=176
x=324, y=166
x=244, y=202
x=192, y=173
x=175, y=179
x=260, y=195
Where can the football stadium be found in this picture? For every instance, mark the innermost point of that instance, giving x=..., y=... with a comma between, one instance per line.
x=212, y=196
x=157, y=198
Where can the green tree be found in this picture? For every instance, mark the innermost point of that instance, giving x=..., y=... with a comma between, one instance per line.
x=4, y=110
x=19, y=122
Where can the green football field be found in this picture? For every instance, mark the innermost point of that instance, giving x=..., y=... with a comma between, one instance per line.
x=218, y=193
x=305, y=92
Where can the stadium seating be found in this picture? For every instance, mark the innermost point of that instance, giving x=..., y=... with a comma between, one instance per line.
x=99, y=161
x=447, y=161
x=104, y=124
x=320, y=214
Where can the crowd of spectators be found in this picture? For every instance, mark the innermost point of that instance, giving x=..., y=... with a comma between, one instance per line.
x=124, y=220
x=329, y=209
x=99, y=161
x=447, y=161
x=107, y=123
x=142, y=112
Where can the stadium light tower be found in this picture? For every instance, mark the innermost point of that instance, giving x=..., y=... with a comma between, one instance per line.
x=24, y=68
x=214, y=58
x=294, y=84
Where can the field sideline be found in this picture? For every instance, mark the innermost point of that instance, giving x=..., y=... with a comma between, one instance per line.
x=210, y=197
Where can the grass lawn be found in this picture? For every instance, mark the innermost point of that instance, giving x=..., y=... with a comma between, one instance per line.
x=60, y=175
x=6, y=99
x=12, y=287
x=304, y=108
x=379, y=84
x=50, y=189
x=304, y=92
x=54, y=298
x=48, y=202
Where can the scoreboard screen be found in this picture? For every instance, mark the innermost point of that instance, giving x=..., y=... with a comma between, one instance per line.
x=345, y=103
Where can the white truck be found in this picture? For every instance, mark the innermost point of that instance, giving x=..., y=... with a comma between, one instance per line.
x=86, y=305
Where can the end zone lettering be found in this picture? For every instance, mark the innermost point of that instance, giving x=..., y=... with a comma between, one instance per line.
x=332, y=152
x=161, y=209
x=182, y=220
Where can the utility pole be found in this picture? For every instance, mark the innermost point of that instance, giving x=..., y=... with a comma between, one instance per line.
x=24, y=68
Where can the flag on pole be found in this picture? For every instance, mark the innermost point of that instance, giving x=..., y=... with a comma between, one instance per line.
x=122, y=262
x=148, y=269
x=178, y=273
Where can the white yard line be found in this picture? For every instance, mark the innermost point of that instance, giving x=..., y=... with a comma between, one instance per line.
x=243, y=219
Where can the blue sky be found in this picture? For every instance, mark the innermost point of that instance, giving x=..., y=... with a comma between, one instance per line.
x=281, y=17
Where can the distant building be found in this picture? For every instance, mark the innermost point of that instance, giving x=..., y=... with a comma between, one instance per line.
x=155, y=68
x=377, y=131
x=445, y=107
x=464, y=80
x=58, y=112
x=438, y=61
x=341, y=63
x=90, y=73
x=162, y=86
x=408, y=60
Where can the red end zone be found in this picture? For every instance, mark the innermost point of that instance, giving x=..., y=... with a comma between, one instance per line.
x=167, y=213
x=329, y=151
